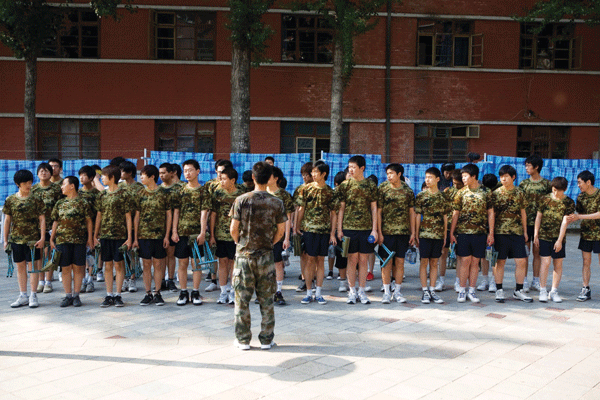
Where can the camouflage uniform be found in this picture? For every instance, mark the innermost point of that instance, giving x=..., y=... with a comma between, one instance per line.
x=507, y=211
x=71, y=215
x=534, y=191
x=190, y=202
x=473, y=206
x=24, y=213
x=152, y=206
x=134, y=190
x=553, y=210
x=358, y=197
x=296, y=194
x=259, y=213
x=113, y=206
x=395, y=205
x=589, y=204
x=433, y=207
x=49, y=195
x=450, y=194
x=318, y=203
x=90, y=197
x=221, y=203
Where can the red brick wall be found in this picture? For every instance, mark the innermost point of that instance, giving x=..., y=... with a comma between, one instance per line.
x=583, y=141
x=126, y=138
x=498, y=140
x=13, y=139
x=265, y=137
x=402, y=142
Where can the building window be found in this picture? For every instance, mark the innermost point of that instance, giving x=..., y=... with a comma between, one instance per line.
x=448, y=44
x=547, y=141
x=307, y=137
x=195, y=136
x=555, y=47
x=183, y=36
x=69, y=138
x=306, y=39
x=79, y=38
x=443, y=143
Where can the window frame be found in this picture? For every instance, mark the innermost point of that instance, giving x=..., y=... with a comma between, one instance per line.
x=315, y=28
x=475, y=43
x=41, y=133
x=527, y=134
x=69, y=24
x=310, y=130
x=174, y=135
x=455, y=133
x=535, y=60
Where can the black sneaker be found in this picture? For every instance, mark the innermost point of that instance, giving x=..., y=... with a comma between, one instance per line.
x=196, y=298
x=278, y=299
x=66, y=302
x=108, y=301
x=118, y=301
x=586, y=294
x=158, y=300
x=184, y=298
x=301, y=287
x=76, y=301
x=146, y=300
x=256, y=301
x=171, y=286
x=163, y=285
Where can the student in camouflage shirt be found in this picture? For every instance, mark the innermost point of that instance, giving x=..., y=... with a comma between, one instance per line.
x=317, y=214
x=535, y=188
x=89, y=193
x=172, y=186
x=49, y=192
x=152, y=227
x=190, y=219
x=71, y=232
x=57, y=169
x=258, y=222
x=588, y=210
x=306, y=172
x=220, y=221
x=24, y=223
x=550, y=235
x=113, y=229
x=510, y=222
x=395, y=226
x=472, y=218
x=357, y=219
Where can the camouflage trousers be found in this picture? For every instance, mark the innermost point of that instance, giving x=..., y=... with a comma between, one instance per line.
x=254, y=274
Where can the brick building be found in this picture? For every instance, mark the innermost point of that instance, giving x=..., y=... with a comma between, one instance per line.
x=464, y=76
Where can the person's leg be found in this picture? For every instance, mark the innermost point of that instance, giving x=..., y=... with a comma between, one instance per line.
x=520, y=268
x=363, y=260
x=433, y=271
x=473, y=272
x=423, y=272
x=557, y=273
x=67, y=281
x=182, y=272
x=223, y=272
x=351, y=270
x=537, y=262
x=243, y=285
x=309, y=272
x=265, y=289
x=119, y=275
x=78, y=274
x=320, y=271
x=108, y=276
x=196, y=279
x=147, y=274
x=586, y=272
x=544, y=267
x=499, y=272
x=171, y=262
x=398, y=271
x=464, y=271
x=159, y=271
x=22, y=278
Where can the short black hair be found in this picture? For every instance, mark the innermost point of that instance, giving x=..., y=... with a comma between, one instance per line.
x=88, y=171
x=128, y=167
x=397, y=168
x=96, y=167
x=167, y=166
x=278, y=174
x=150, y=171
x=192, y=162
x=270, y=158
x=262, y=172
x=45, y=166
x=230, y=173
x=282, y=183
x=247, y=176
x=306, y=168
x=490, y=181
x=448, y=167
x=358, y=160
x=339, y=178
x=177, y=170
x=56, y=160
x=318, y=162
x=471, y=169
x=322, y=168
x=117, y=161
x=22, y=176
x=587, y=176
x=434, y=171
x=560, y=183
x=473, y=157
x=536, y=161
x=73, y=180
x=457, y=175
x=373, y=179
x=508, y=169
x=113, y=172
x=223, y=163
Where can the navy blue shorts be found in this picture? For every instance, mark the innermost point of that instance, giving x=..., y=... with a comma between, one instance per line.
x=226, y=249
x=340, y=262
x=589, y=245
x=471, y=245
x=277, y=249
x=109, y=249
x=22, y=252
x=359, y=242
x=183, y=249
x=397, y=243
x=152, y=248
x=530, y=233
x=510, y=246
x=316, y=244
x=71, y=254
x=430, y=248
x=547, y=249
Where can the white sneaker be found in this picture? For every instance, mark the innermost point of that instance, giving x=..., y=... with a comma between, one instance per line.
x=21, y=301
x=386, y=299
x=211, y=287
x=526, y=286
x=483, y=286
x=343, y=286
x=363, y=298
x=520, y=295
x=268, y=346
x=457, y=286
x=99, y=277
x=59, y=276
x=351, y=298
x=535, y=285
x=500, y=296
x=33, y=301
x=492, y=287
x=40, y=287
x=132, y=288
x=473, y=297
x=543, y=295
x=462, y=297
x=48, y=287
x=439, y=285
x=222, y=298
x=399, y=298
x=125, y=286
x=241, y=346
x=555, y=297
x=231, y=297
x=368, y=289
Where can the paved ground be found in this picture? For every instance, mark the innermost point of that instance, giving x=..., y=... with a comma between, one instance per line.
x=336, y=351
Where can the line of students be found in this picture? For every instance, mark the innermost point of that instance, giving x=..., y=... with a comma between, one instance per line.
x=162, y=221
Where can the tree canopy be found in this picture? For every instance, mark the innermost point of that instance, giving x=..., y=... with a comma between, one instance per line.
x=550, y=11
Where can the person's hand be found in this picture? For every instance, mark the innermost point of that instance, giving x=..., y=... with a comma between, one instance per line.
x=572, y=218
x=52, y=245
x=175, y=237
x=212, y=241
x=128, y=244
x=201, y=238
x=90, y=244
x=286, y=244
x=340, y=235
x=452, y=239
x=166, y=242
x=490, y=239
x=557, y=246
x=375, y=235
x=332, y=239
x=379, y=238
x=40, y=244
x=96, y=242
x=135, y=244
x=527, y=238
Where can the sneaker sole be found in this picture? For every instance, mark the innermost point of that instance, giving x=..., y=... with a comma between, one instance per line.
x=499, y=300
x=197, y=303
x=267, y=346
x=523, y=300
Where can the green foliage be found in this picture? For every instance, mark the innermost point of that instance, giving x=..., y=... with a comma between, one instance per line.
x=550, y=11
x=109, y=7
x=248, y=31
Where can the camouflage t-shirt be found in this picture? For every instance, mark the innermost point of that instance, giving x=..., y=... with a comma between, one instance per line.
x=288, y=202
x=134, y=189
x=71, y=215
x=507, y=211
x=49, y=195
x=553, y=210
x=395, y=207
x=358, y=197
x=191, y=202
x=259, y=214
x=173, y=192
x=113, y=206
x=211, y=185
x=433, y=207
x=221, y=203
x=533, y=192
x=296, y=195
x=473, y=206
x=152, y=206
x=318, y=203
x=589, y=204
x=450, y=194
x=25, y=217
x=90, y=196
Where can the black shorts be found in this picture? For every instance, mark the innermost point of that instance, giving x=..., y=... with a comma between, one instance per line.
x=359, y=242
x=340, y=262
x=530, y=233
x=471, y=245
x=510, y=246
x=316, y=244
x=22, y=252
x=71, y=254
x=277, y=249
x=397, y=243
x=183, y=249
x=430, y=248
x=152, y=248
x=588, y=246
x=447, y=245
x=226, y=249
x=171, y=242
x=109, y=249
x=547, y=249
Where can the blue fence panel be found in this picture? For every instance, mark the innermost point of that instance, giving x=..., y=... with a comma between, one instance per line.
x=181, y=155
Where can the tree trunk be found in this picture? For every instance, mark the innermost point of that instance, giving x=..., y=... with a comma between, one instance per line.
x=337, y=97
x=240, y=100
x=30, y=83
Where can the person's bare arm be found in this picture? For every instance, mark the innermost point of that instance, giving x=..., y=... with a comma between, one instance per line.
x=97, y=227
x=7, y=220
x=234, y=230
x=524, y=222
x=491, y=223
x=536, y=228
x=174, y=234
x=340, y=220
x=455, y=215
x=374, y=220
x=280, y=232
x=40, y=243
x=53, y=234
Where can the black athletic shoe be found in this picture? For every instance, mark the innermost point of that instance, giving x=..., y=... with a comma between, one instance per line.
x=158, y=300
x=108, y=301
x=171, y=286
x=147, y=299
x=76, y=301
x=66, y=302
x=118, y=301
x=301, y=287
x=278, y=299
x=196, y=298
x=163, y=285
x=184, y=298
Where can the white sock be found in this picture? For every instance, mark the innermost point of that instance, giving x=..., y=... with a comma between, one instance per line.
x=24, y=294
x=471, y=289
x=223, y=289
x=279, y=285
x=462, y=289
x=109, y=294
x=318, y=292
x=361, y=290
x=431, y=289
x=353, y=290
x=309, y=292
x=47, y=283
x=424, y=288
x=386, y=288
x=228, y=287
